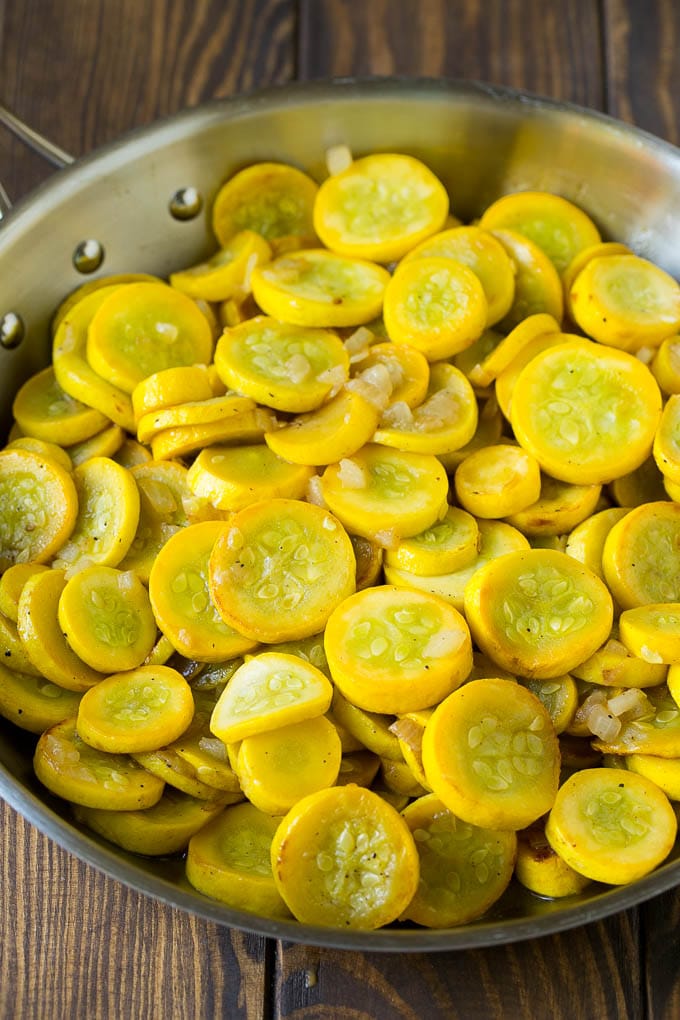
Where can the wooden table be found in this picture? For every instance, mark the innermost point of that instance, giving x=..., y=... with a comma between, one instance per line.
x=74, y=944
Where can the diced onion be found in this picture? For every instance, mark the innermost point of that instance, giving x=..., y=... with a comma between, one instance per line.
x=444, y=642
x=351, y=475
x=398, y=415
x=374, y=385
x=645, y=354
x=410, y=732
x=298, y=368
x=159, y=495
x=314, y=494
x=214, y=747
x=387, y=538
x=602, y=723
x=335, y=377
x=438, y=411
x=358, y=344
x=632, y=703
x=584, y=710
x=338, y=158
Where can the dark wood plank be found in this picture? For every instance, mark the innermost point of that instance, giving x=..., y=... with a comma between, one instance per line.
x=660, y=919
x=554, y=50
x=82, y=72
x=578, y=976
x=549, y=48
x=117, y=64
x=76, y=944
x=642, y=46
x=642, y=41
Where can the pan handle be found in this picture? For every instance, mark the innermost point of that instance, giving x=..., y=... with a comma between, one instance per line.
x=49, y=151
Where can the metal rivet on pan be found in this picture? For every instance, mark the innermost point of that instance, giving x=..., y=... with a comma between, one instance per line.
x=88, y=256
x=185, y=204
x=12, y=330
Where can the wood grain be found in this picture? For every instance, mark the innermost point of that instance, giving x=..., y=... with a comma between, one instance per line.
x=82, y=945
x=112, y=66
x=117, y=64
x=548, y=48
x=642, y=42
x=660, y=920
x=528, y=979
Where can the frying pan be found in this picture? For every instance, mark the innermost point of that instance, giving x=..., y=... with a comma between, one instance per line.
x=142, y=205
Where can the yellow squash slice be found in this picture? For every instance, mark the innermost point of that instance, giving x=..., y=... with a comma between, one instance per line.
x=640, y=559
x=33, y=703
x=345, y=858
x=652, y=632
x=112, y=280
x=394, y=651
x=320, y=288
x=385, y=494
x=180, y=596
x=139, y=710
x=587, y=413
x=158, y=831
x=538, y=287
x=197, y=413
x=436, y=305
x=408, y=369
x=230, y=861
x=165, y=764
x=333, y=432
x=269, y=690
x=665, y=365
x=445, y=421
x=144, y=328
x=106, y=443
x=557, y=226
x=611, y=825
x=272, y=199
x=224, y=274
x=666, y=447
x=380, y=207
x=586, y=542
x=481, y=252
x=559, y=509
x=538, y=613
x=463, y=869
x=43, y=637
x=495, y=539
x=72, y=769
x=231, y=478
x=498, y=481
x=106, y=617
x=504, y=353
x=278, y=768
x=74, y=373
x=279, y=568
x=448, y=545
x=289, y=368
x=625, y=301
x=108, y=514
x=541, y=870
x=490, y=753
x=12, y=583
x=44, y=449
x=38, y=507
x=42, y=409
x=171, y=386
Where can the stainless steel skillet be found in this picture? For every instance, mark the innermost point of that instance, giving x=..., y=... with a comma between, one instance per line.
x=143, y=202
